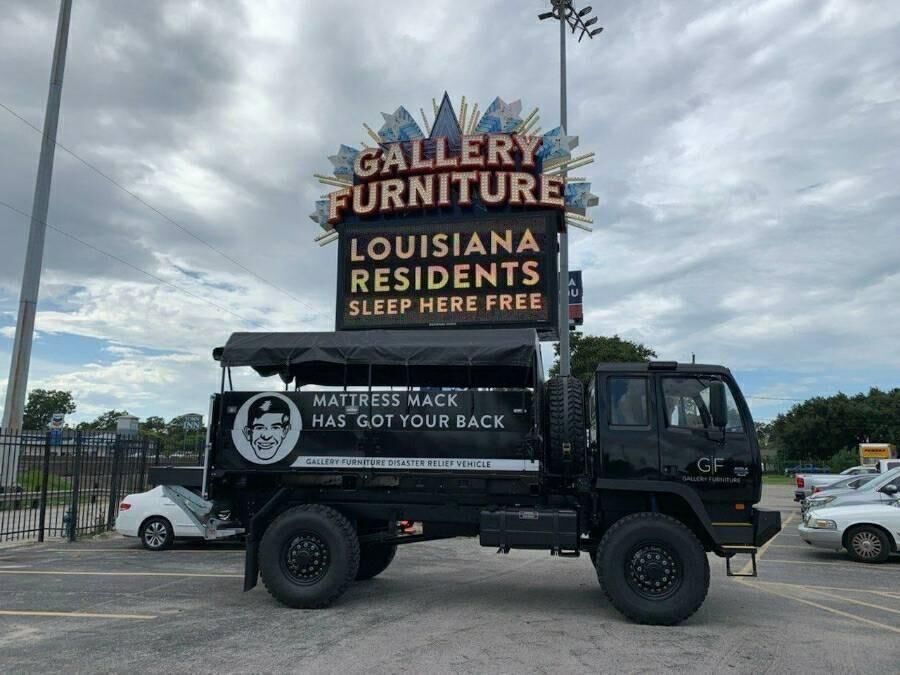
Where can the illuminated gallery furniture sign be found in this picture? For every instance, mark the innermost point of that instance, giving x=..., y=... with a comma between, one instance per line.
x=454, y=229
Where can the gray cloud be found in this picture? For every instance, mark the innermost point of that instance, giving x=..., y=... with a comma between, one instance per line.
x=747, y=162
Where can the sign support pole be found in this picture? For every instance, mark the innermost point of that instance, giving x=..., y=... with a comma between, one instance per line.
x=564, y=356
x=31, y=278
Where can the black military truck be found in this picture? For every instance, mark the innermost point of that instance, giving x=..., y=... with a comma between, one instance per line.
x=653, y=468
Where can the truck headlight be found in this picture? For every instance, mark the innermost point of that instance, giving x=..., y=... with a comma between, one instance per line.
x=822, y=524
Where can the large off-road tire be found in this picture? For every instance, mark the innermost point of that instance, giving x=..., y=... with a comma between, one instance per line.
x=653, y=569
x=566, y=436
x=309, y=556
x=868, y=544
x=374, y=559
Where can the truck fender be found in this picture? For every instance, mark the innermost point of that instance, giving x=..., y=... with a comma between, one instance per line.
x=255, y=528
x=665, y=487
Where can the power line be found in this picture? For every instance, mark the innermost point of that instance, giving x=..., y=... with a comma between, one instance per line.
x=128, y=264
x=160, y=213
x=776, y=398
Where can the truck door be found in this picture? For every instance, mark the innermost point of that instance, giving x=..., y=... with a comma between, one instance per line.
x=692, y=451
x=627, y=433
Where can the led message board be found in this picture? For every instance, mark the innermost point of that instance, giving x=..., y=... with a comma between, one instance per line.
x=490, y=271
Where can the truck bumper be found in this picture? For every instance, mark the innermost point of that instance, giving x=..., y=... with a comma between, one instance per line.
x=766, y=524
x=831, y=539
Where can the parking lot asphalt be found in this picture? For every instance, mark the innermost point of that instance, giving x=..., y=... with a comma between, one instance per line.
x=105, y=604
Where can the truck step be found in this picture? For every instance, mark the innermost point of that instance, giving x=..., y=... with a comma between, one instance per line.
x=732, y=551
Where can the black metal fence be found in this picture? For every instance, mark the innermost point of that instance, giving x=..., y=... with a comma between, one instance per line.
x=70, y=484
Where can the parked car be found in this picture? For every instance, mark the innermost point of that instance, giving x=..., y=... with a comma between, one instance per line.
x=155, y=518
x=882, y=488
x=822, y=496
x=869, y=532
x=807, y=482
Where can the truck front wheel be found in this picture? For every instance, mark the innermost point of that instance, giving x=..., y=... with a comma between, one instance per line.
x=308, y=556
x=653, y=569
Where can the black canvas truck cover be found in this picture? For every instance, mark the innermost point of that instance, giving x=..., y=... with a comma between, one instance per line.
x=443, y=400
x=499, y=358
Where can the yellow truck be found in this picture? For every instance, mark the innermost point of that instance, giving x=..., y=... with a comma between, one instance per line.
x=870, y=453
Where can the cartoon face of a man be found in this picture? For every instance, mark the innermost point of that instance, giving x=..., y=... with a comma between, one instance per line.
x=268, y=423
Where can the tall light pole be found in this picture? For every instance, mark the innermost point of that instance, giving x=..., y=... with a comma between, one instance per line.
x=31, y=278
x=564, y=12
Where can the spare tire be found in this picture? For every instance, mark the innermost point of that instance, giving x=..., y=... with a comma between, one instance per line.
x=566, y=445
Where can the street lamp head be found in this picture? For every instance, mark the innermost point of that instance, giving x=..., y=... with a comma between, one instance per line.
x=596, y=31
x=545, y=15
x=590, y=22
x=586, y=10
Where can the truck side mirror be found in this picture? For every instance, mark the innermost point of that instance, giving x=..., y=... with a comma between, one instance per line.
x=718, y=405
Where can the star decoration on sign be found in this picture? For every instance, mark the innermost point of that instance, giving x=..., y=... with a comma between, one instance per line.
x=579, y=198
x=500, y=117
x=556, y=146
x=399, y=127
x=343, y=162
x=320, y=215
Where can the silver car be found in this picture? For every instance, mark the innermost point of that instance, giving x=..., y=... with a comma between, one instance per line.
x=881, y=488
x=824, y=495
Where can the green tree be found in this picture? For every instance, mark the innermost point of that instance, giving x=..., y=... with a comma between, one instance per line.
x=589, y=350
x=154, y=424
x=822, y=427
x=843, y=459
x=104, y=422
x=41, y=405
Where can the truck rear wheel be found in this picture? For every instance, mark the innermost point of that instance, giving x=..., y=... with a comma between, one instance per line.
x=653, y=569
x=308, y=556
x=374, y=559
x=566, y=440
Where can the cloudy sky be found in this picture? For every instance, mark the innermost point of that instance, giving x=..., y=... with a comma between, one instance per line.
x=748, y=162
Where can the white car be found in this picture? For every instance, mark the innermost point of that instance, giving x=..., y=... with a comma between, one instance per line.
x=869, y=532
x=155, y=518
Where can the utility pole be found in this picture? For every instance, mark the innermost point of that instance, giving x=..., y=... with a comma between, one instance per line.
x=565, y=368
x=17, y=384
x=564, y=12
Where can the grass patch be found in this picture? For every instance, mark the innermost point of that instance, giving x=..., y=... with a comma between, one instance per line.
x=30, y=481
x=777, y=479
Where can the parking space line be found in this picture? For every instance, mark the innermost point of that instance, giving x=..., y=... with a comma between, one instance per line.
x=138, y=550
x=835, y=564
x=813, y=589
x=805, y=548
x=123, y=574
x=885, y=594
x=74, y=615
x=817, y=605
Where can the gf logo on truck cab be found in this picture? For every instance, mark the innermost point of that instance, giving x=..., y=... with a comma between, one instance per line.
x=710, y=465
x=266, y=428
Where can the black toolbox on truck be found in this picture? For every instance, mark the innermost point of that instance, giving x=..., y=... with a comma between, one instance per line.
x=556, y=529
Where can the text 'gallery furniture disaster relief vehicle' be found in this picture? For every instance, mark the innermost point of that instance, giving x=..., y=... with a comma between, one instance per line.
x=456, y=429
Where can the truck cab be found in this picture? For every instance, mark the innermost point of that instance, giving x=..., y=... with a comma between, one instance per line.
x=656, y=423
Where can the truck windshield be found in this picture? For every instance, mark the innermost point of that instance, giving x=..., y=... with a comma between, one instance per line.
x=687, y=404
